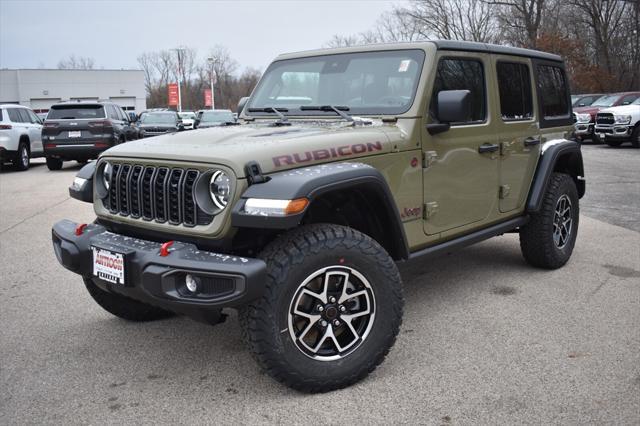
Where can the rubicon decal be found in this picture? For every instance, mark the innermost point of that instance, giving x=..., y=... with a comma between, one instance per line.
x=325, y=154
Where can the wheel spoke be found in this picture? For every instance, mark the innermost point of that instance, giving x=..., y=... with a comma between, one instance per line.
x=309, y=326
x=351, y=317
x=344, y=296
x=352, y=296
x=312, y=294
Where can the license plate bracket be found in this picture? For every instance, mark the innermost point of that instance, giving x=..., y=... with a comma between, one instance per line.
x=75, y=133
x=109, y=265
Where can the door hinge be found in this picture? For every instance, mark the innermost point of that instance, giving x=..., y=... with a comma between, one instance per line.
x=504, y=191
x=505, y=147
x=429, y=210
x=428, y=158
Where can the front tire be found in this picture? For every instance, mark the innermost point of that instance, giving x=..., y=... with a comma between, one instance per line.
x=548, y=239
x=331, y=309
x=22, y=157
x=635, y=136
x=123, y=307
x=54, y=163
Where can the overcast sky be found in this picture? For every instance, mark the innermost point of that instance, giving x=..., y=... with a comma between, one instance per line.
x=36, y=34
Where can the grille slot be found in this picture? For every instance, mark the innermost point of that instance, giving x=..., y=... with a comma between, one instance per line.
x=160, y=194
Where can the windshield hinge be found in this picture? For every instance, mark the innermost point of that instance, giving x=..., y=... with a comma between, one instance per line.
x=254, y=173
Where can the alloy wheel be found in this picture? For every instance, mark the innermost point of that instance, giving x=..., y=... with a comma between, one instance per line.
x=562, y=221
x=331, y=313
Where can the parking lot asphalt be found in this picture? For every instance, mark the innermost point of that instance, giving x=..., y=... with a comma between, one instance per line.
x=486, y=338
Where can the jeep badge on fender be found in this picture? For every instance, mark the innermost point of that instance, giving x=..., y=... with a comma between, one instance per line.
x=346, y=162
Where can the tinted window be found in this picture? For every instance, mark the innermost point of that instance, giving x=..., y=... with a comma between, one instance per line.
x=24, y=116
x=552, y=87
x=514, y=85
x=75, y=112
x=462, y=74
x=628, y=99
x=1, y=116
x=13, y=115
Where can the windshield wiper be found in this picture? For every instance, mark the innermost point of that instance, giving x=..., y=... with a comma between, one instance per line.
x=337, y=109
x=282, y=121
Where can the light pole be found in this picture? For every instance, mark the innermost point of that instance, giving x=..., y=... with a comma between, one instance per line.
x=179, y=51
x=211, y=78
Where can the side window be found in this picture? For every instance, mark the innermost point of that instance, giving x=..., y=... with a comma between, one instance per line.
x=13, y=115
x=34, y=118
x=112, y=112
x=552, y=88
x=24, y=115
x=514, y=85
x=462, y=74
x=628, y=99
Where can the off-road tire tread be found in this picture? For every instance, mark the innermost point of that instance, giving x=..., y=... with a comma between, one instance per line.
x=289, y=250
x=536, y=246
x=124, y=307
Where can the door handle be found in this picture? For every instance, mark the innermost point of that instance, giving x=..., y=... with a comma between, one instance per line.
x=488, y=147
x=531, y=142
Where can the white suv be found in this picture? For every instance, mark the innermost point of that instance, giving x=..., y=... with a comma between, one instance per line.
x=619, y=124
x=20, y=135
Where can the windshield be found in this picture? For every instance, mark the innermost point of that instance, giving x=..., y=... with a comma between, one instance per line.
x=75, y=112
x=381, y=82
x=159, y=118
x=606, y=101
x=216, y=117
x=187, y=115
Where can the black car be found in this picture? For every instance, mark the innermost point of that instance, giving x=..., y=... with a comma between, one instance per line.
x=213, y=118
x=82, y=130
x=159, y=123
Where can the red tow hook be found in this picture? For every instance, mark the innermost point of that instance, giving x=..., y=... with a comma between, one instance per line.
x=164, y=248
x=80, y=229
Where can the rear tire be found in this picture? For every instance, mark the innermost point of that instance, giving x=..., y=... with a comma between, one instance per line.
x=123, y=307
x=548, y=239
x=596, y=139
x=22, y=157
x=308, y=330
x=54, y=163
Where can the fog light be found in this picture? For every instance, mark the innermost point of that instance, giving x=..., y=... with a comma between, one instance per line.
x=192, y=283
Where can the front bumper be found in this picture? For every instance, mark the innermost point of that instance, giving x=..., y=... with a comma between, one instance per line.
x=614, y=131
x=226, y=280
x=583, y=129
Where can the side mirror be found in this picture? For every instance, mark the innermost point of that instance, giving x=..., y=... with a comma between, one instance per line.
x=241, y=104
x=452, y=106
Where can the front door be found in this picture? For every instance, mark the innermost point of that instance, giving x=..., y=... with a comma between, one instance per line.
x=518, y=131
x=461, y=165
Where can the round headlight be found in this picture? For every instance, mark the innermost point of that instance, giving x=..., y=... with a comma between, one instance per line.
x=106, y=175
x=220, y=188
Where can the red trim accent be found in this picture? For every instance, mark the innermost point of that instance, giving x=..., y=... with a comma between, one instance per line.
x=80, y=228
x=164, y=248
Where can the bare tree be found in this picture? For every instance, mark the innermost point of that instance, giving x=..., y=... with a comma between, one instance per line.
x=74, y=62
x=521, y=20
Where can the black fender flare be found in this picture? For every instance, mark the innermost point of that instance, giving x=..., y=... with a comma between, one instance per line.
x=83, y=191
x=564, y=156
x=311, y=183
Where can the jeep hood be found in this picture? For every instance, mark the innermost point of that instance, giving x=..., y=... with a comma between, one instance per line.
x=274, y=148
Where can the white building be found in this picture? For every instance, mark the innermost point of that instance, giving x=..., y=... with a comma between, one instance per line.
x=41, y=88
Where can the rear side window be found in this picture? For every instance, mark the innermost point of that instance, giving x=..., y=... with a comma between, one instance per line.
x=14, y=115
x=462, y=74
x=514, y=85
x=75, y=112
x=24, y=115
x=552, y=88
x=1, y=116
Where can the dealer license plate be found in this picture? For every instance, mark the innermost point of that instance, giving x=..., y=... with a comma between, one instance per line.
x=108, y=265
x=75, y=133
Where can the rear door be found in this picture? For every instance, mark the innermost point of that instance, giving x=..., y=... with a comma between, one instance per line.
x=517, y=128
x=460, y=177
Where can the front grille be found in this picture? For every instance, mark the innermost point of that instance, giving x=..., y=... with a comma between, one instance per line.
x=604, y=118
x=161, y=194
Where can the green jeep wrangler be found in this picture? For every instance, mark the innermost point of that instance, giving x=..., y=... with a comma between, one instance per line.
x=346, y=162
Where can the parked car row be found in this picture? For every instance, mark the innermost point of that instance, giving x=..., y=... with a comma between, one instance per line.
x=608, y=118
x=80, y=131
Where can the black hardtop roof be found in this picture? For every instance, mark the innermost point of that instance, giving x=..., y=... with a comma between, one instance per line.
x=494, y=48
